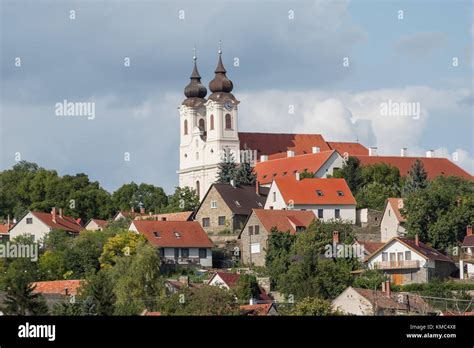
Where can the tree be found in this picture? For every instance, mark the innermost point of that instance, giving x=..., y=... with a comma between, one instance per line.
x=350, y=171
x=183, y=199
x=247, y=288
x=374, y=195
x=123, y=244
x=416, y=179
x=20, y=299
x=310, y=306
x=99, y=288
x=227, y=168
x=370, y=279
x=305, y=174
x=244, y=175
x=277, y=258
x=135, y=196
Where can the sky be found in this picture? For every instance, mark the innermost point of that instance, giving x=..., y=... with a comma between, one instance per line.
x=333, y=62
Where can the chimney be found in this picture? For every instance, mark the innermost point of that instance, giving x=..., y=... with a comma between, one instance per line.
x=66, y=291
x=316, y=149
x=53, y=212
x=257, y=188
x=469, y=230
x=263, y=158
x=335, y=237
x=417, y=240
x=430, y=153
x=404, y=152
x=373, y=151
x=297, y=176
x=132, y=209
x=387, y=288
x=252, y=301
x=61, y=213
x=290, y=153
x=8, y=221
x=142, y=210
x=232, y=182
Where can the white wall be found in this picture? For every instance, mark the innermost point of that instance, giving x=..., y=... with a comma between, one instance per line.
x=389, y=226
x=351, y=302
x=395, y=247
x=38, y=229
x=279, y=203
x=335, y=161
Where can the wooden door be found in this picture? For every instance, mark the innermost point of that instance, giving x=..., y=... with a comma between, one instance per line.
x=397, y=279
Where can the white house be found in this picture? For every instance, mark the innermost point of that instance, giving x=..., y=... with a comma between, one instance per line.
x=38, y=224
x=467, y=257
x=180, y=242
x=392, y=220
x=95, y=225
x=410, y=261
x=327, y=198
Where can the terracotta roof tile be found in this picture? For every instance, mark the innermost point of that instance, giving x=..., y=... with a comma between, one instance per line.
x=371, y=247
x=57, y=287
x=178, y=216
x=287, y=167
x=65, y=223
x=434, y=166
x=4, y=228
x=173, y=234
x=284, y=220
x=351, y=149
x=305, y=191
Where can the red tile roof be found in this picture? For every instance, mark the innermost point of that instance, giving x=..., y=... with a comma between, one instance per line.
x=434, y=166
x=4, y=228
x=275, y=145
x=65, y=223
x=174, y=234
x=334, y=191
x=468, y=241
x=260, y=309
x=397, y=204
x=57, y=287
x=99, y=222
x=370, y=247
x=287, y=167
x=230, y=279
x=351, y=149
x=178, y=216
x=284, y=220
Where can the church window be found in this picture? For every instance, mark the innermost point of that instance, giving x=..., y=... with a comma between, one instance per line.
x=228, y=121
x=197, y=155
x=212, y=122
x=185, y=127
x=202, y=126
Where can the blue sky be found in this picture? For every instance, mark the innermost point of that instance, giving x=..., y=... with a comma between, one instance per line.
x=283, y=61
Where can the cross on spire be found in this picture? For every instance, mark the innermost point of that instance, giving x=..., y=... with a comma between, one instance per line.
x=194, y=53
x=220, y=47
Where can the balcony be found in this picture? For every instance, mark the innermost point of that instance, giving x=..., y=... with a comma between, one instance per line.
x=467, y=257
x=406, y=264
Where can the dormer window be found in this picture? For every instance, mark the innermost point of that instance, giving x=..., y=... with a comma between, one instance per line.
x=156, y=234
x=319, y=193
x=340, y=193
x=177, y=235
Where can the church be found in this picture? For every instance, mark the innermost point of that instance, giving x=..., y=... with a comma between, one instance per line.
x=209, y=135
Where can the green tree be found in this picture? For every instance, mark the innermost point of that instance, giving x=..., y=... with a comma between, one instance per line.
x=277, y=258
x=227, y=169
x=123, y=244
x=370, y=279
x=247, y=288
x=134, y=196
x=305, y=174
x=183, y=199
x=416, y=179
x=244, y=175
x=311, y=306
x=351, y=172
x=374, y=195
x=99, y=289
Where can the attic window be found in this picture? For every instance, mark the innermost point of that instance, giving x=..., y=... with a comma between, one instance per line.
x=319, y=193
x=274, y=174
x=340, y=193
x=264, y=176
x=284, y=173
x=237, y=203
x=177, y=235
x=156, y=234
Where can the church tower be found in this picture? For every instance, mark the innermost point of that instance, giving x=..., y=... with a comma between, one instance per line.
x=209, y=132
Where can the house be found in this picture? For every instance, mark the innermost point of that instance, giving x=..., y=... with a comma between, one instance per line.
x=180, y=242
x=132, y=214
x=467, y=256
x=254, y=235
x=260, y=309
x=392, y=220
x=434, y=166
x=38, y=224
x=57, y=291
x=410, y=261
x=321, y=164
x=357, y=301
x=96, y=225
x=4, y=232
x=173, y=286
x=230, y=281
x=226, y=207
x=178, y=216
x=328, y=198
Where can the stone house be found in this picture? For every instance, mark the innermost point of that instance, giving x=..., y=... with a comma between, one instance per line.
x=226, y=207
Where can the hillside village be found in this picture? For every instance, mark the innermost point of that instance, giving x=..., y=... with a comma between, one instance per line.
x=260, y=224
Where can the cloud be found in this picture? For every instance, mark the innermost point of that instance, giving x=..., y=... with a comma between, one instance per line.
x=420, y=44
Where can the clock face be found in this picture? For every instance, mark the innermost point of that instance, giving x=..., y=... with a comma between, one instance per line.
x=228, y=105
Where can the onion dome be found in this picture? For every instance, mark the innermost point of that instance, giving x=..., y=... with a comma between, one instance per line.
x=221, y=86
x=195, y=91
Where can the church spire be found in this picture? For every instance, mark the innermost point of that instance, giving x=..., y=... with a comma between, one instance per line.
x=220, y=83
x=195, y=91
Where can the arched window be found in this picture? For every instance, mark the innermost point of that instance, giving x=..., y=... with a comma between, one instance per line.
x=212, y=122
x=185, y=127
x=228, y=121
x=202, y=126
x=197, y=188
